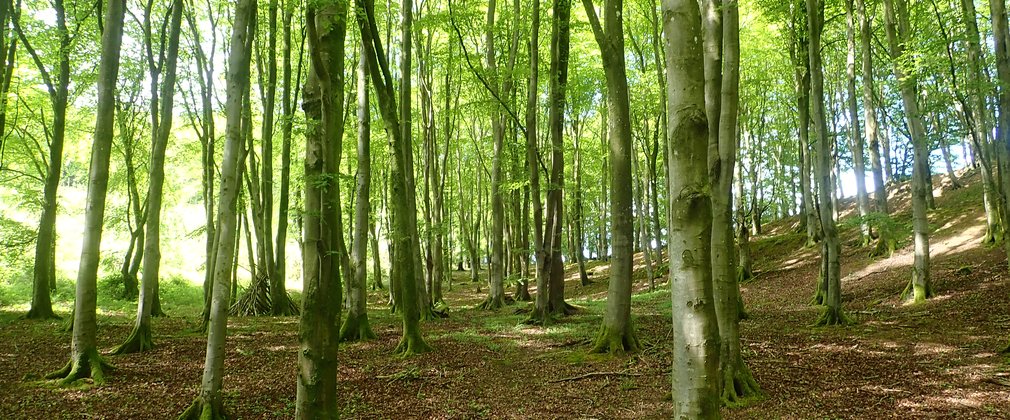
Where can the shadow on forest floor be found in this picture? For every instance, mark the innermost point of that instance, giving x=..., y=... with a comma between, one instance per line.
x=937, y=359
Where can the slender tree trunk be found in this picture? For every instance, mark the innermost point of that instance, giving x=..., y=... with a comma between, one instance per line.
x=85, y=362
x=560, y=37
x=737, y=383
x=404, y=215
x=856, y=140
x=898, y=30
x=617, y=334
x=1001, y=34
x=356, y=326
x=210, y=403
x=831, y=249
x=140, y=338
x=799, y=53
x=869, y=109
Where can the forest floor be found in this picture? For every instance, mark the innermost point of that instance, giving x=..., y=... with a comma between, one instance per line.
x=938, y=359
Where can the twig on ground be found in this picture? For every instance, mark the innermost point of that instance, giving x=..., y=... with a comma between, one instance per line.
x=593, y=375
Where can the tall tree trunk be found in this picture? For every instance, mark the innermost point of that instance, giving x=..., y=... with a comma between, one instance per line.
x=856, y=140
x=44, y=271
x=696, y=340
x=540, y=313
x=356, y=326
x=617, y=334
x=831, y=248
x=278, y=279
x=869, y=107
x=898, y=31
x=496, y=289
x=560, y=40
x=1001, y=34
x=799, y=53
x=737, y=383
x=140, y=338
x=404, y=215
x=210, y=403
x=85, y=362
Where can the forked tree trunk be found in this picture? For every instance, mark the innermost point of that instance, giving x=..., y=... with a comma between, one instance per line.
x=403, y=215
x=85, y=362
x=695, y=389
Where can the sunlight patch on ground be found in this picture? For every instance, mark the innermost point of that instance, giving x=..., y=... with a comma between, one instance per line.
x=933, y=348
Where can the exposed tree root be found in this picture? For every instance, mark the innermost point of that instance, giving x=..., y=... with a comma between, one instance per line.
x=491, y=303
x=539, y=317
x=40, y=314
x=356, y=328
x=832, y=317
x=411, y=344
x=993, y=235
x=88, y=364
x=739, y=386
x=68, y=326
x=203, y=410
x=138, y=341
x=616, y=342
x=564, y=309
x=744, y=274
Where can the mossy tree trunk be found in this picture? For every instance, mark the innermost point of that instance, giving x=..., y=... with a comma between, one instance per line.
x=898, y=31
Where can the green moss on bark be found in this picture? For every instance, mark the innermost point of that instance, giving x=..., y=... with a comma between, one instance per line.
x=411, y=344
x=738, y=386
x=915, y=294
x=138, y=341
x=356, y=328
x=832, y=317
x=616, y=342
x=88, y=364
x=203, y=410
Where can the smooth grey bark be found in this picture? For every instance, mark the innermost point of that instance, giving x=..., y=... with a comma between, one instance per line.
x=696, y=340
x=831, y=313
x=210, y=403
x=85, y=362
x=800, y=57
x=356, y=325
x=898, y=31
x=617, y=333
x=140, y=338
x=1001, y=34
x=856, y=142
x=496, y=273
x=869, y=107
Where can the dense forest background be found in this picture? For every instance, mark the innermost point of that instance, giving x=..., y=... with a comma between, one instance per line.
x=427, y=178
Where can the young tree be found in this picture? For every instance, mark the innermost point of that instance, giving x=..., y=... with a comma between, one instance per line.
x=85, y=361
x=869, y=106
x=856, y=140
x=617, y=334
x=140, y=338
x=695, y=337
x=210, y=403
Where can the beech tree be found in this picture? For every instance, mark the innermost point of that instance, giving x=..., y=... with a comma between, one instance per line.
x=209, y=404
x=696, y=332
x=85, y=362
